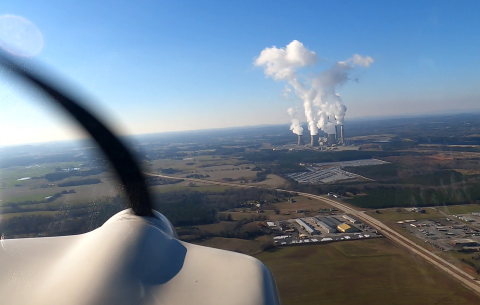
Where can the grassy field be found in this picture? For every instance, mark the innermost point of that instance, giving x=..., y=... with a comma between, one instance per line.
x=9, y=176
x=391, y=215
x=360, y=272
x=460, y=209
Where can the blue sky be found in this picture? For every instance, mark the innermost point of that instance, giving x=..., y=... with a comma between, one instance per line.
x=153, y=66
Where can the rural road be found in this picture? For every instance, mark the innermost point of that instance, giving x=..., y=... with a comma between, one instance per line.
x=453, y=271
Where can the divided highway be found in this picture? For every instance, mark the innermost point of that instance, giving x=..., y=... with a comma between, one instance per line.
x=430, y=257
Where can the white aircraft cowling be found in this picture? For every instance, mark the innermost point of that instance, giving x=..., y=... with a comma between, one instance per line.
x=129, y=260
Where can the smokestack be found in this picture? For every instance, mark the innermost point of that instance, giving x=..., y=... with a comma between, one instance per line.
x=336, y=132
x=300, y=140
x=341, y=134
x=314, y=141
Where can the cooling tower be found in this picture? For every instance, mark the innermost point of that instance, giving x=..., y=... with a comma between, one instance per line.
x=314, y=141
x=300, y=140
x=331, y=139
x=341, y=135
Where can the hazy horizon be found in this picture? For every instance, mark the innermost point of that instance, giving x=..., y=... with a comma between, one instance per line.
x=352, y=120
x=165, y=67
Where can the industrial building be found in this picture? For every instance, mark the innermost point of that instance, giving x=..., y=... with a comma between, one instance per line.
x=350, y=219
x=327, y=228
x=306, y=226
x=344, y=228
x=330, y=221
x=464, y=243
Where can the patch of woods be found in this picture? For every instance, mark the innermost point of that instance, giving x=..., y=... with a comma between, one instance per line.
x=197, y=176
x=168, y=171
x=63, y=220
x=442, y=187
x=85, y=181
x=60, y=175
x=183, y=208
x=189, y=207
x=152, y=180
x=242, y=229
x=391, y=196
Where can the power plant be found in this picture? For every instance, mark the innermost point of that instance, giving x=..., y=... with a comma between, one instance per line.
x=336, y=137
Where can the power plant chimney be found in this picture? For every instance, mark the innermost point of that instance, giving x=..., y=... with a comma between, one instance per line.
x=314, y=141
x=341, y=135
x=300, y=140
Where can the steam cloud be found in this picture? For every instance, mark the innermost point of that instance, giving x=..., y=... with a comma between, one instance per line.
x=296, y=126
x=322, y=105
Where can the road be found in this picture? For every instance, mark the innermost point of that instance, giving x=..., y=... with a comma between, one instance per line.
x=453, y=271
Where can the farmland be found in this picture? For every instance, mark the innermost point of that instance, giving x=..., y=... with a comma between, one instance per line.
x=360, y=272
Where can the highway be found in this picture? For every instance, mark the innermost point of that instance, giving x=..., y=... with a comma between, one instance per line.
x=453, y=271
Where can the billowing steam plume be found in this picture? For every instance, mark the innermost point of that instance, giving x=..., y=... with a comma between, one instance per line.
x=322, y=105
x=295, y=127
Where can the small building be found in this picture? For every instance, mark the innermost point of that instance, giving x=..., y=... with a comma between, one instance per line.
x=350, y=219
x=344, y=228
x=271, y=224
x=301, y=211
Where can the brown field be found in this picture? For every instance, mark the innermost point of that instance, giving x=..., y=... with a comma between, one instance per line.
x=250, y=247
x=216, y=228
x=271, y=181
x=372, y=271
x=302, y=203
x=217, y=173
x=389, y=216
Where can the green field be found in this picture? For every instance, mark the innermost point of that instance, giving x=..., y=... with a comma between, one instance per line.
x=26, y=197
x=10, y=175
x=360, y=272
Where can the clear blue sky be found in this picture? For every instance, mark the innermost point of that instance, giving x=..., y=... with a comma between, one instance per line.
x=154, y=66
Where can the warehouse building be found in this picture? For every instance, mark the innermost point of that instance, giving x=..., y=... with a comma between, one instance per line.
x=306, y=227
x=327, y=228
x=464, y=243
x=331, y=221
x=344, y=228
x=350, y=219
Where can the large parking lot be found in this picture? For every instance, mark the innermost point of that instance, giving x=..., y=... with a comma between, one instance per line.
x=322, y=176
x=442, y=232
x=292, y=233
